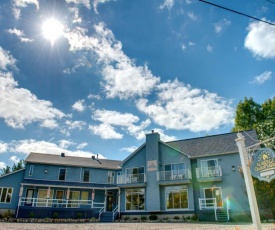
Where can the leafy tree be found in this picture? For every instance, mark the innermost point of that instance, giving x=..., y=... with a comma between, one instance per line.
x=19, y=165
x=261, y=117
x=5, y=170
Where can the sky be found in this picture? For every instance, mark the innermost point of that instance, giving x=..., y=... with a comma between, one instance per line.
x=89, y=77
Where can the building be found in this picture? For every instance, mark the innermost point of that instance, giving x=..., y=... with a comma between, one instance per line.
x=179, y=178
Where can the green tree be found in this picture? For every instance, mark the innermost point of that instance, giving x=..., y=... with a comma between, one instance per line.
x=261, y=117
x=19, y=165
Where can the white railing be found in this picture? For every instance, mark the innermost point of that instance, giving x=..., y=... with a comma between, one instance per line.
x=208, y=203
x=174, y=175
x=131, y=178
x=227, y=208
x=114, y=212
x=59, y=203
x=100, y=212
x=207, y=172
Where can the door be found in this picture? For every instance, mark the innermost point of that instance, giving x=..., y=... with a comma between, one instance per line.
x=110, y=201
x=213, y=193
x=29, y=196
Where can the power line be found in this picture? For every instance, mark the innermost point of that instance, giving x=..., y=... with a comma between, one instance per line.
x=236, y=12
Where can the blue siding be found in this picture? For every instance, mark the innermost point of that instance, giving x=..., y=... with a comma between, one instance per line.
x=12, y=180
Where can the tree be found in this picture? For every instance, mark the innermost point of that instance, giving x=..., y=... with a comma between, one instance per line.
x=261, y=117
x=19, y=165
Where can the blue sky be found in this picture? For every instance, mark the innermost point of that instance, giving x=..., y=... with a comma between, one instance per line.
x=93, y=77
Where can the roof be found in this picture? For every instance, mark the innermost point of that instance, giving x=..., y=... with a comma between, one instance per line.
x=41, y=158
x=8, y=174
x=213, y=145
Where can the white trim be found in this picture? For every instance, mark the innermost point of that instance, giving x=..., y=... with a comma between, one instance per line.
x=5, y=202
x=125, y=200
x=83, y=172
x=220, y=188
x=31, y=170
x=176, y=188
x=59, y=174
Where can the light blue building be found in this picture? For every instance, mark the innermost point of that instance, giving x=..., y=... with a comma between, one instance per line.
x=179, y=178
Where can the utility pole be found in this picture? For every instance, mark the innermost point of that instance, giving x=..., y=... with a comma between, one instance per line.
x=249, y=183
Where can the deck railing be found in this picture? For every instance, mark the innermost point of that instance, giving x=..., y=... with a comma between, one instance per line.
x=131, y=178
x=174, y=175
x=206, y=172
x=59, y=203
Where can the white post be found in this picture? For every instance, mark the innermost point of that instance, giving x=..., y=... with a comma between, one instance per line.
x=249, y=183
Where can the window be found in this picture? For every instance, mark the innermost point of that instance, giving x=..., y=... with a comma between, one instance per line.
x=176, y=198
x=62, y=174
x=111, y=177
x=84, y=197
x=5, y=195
x=42, y=198
x=31, y=170
x=86, y=176
x=135, y=175
x=212, y=194
x=59, y=196
x=174, y=171
x=135, y=199
x=209, y=168
x=74, y=197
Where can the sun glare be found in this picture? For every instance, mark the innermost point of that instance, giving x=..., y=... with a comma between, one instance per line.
x=52, y=29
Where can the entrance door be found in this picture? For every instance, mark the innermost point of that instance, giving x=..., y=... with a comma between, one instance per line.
x=110, y=201
x=29, y=196
x=213, y=193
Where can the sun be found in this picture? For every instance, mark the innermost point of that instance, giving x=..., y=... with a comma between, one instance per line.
x=52, y=29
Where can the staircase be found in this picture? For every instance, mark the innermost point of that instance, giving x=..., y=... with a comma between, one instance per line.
x=108, y=217
x=221, y=214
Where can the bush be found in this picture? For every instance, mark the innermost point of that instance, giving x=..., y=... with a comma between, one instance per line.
x=55, y=215
x=31, y=215
x=127, y=218
x=153, y=217
x=176, y=218
x=143, y=218
x=195, y=217
x=7, y=214
x=78, y=215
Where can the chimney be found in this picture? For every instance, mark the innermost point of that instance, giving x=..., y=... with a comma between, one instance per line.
x=93, y=157
x=62, y=154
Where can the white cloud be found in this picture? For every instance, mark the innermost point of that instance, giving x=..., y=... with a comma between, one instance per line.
x=188, y=2
x=19, y=107
x=82, y=2
x=2, y=165
x=3, y=147
x=97, y=2
x=260, y=40
x=191, y=43
x=18, y=4
x=119, y=72
x=262, y=78
x=76, y=18
x=82, y=145
x=64, y=144
x=180, y=107
x=14, y=159
x=79, y=106
x=163, y=136
x=209, y=48
x=75, y=124
x=167, y=4
x=183, y=46
x=105, y=131
x=31, y=145
x=129, y=149
x=93, y=96
x=192, y=16
x=221, y=25
x=20, y=34
x=6, y=59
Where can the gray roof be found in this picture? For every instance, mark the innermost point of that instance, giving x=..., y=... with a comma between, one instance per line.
x=213, y=145
x=41, y=158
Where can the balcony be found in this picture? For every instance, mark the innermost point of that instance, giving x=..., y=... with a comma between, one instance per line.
x=131, y=179
x=174, y=177
x=207, y=174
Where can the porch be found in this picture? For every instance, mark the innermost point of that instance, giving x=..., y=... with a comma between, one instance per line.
x=206, y=174
x=174, y=175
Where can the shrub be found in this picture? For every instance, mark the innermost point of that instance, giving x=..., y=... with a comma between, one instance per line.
x=143, y=218
x=176, y=218
x=153, y=217
x=55, y=215
x=78, y=215
x=195, y=217
x=135, y=218
x=127, y=218
x=7, y=214
x=31, y=215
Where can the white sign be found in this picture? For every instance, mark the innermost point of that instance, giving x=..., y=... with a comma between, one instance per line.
x=152, y=165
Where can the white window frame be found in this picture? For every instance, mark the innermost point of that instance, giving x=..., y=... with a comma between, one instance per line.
x=31, y=170
x=133, y=210
x=65, y=174
x=89, y=176
x=176, y=188
x=7, y=194
x=220, y=188
x=111, y=176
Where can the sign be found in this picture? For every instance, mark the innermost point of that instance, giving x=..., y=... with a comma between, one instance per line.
x=263, y=166
x=152, y=165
